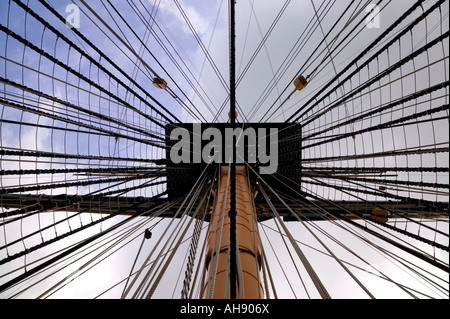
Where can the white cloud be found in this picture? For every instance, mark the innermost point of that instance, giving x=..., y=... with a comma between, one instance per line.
x=198, y=20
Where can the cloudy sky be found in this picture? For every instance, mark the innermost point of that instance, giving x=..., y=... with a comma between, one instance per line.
x=186, y=43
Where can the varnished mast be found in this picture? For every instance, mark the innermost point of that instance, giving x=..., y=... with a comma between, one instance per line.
x=248, y=256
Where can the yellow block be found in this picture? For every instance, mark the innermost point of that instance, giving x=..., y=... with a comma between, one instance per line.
x=380, y=215
x=300, y=83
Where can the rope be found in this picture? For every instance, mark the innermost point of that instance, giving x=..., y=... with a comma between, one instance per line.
x=195, y=237
x=327, y=249
x=75, y=107
x=256, y=236
x=134, y=263
x=173, y=247
x=369, y=47
x=291, y=257
x=123, y=280
x=419, y=254
x=87, y=56
x=266, y=285
x=191, y=257
x=386, y=107
x=162, y=236
x=386, y=72
x=193, y=249
x=74, y=72
x=67, y=252
x=200, y=292
x=118, y=238
x=180, y=239
x=281, y=266
x=314, y=277
x=159, y=260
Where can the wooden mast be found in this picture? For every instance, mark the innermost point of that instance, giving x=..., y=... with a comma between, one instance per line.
x=248, y=283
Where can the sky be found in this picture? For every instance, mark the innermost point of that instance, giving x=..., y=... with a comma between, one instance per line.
x=198, y=92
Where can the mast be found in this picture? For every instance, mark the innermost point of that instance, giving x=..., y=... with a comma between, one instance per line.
x=232, y=213
x=248, y=256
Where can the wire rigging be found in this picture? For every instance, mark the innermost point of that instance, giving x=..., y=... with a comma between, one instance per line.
x=86, y=175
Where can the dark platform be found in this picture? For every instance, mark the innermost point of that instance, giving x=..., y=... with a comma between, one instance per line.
x=182, y=176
